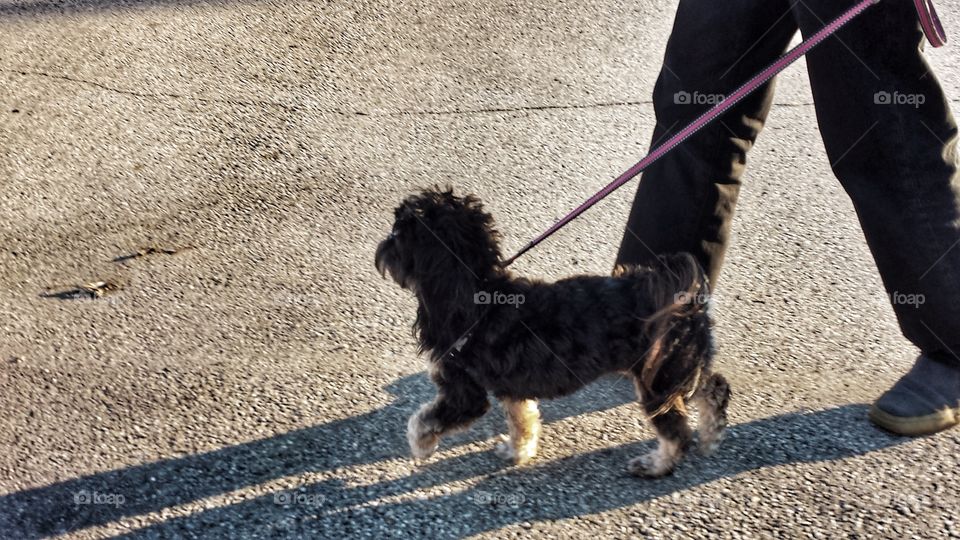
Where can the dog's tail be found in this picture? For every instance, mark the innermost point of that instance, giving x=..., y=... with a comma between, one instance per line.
x=679, y=330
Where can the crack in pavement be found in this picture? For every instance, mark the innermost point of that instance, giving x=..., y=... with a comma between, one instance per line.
x=290, y=108
x=519, y=108
x=157, y=96
x=160, y=96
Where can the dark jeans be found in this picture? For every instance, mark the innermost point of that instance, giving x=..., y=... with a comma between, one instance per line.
x=885, y=121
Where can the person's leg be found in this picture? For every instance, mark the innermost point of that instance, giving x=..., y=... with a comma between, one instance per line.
x=685, y=201
x=892, y=143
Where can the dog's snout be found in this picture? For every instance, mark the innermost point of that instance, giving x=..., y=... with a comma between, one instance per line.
x=379, y=259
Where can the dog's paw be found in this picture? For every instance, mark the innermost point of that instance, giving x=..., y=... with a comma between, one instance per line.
x=709, y=446
x=505, y=450
x=423, y=441
x=652, y=465
x=425, y=447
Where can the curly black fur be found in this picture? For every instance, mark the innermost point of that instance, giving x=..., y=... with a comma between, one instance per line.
x=650, y=323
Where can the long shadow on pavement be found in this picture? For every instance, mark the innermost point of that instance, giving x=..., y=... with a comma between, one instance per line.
x=580, y=485
x=368, y=438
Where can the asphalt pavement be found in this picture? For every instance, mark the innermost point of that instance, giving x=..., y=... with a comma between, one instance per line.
x=194, y=341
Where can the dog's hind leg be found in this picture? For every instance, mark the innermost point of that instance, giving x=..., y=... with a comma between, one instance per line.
x=523, y=424
x=673, y=439
x=711, y=400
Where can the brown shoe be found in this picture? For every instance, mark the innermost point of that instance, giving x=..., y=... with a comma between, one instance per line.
x=926, y=400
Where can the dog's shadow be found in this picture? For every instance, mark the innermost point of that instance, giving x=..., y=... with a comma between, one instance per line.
x=503, y=496
x=363, y=439
x=580, y=485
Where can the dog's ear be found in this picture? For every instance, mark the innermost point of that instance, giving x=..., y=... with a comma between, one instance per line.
x=457, y=227
x=457, y=249
x=447, y=310
x=473, y=228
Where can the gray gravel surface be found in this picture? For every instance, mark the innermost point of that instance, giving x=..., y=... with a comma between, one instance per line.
x=256, y=382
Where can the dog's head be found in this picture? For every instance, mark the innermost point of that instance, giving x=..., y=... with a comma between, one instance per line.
x=442, y=247
x=439, y=237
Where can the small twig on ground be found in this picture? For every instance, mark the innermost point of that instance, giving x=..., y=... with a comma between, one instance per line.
x=93, y=290
x=150, y=250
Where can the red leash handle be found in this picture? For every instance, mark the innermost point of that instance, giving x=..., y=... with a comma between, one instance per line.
x=930, y=22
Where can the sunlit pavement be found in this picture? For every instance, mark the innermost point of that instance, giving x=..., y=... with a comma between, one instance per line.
x=221, y=172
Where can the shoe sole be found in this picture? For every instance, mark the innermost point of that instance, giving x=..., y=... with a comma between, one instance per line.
x=915, y=425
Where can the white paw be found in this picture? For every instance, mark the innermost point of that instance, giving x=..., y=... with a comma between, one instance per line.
x=423, y=442
x=503, y=449
x=708, y=447
x=519, y=456
x=651, y=465
x=524, y=456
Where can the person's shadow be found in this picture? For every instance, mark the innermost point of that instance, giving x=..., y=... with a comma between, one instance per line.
x=583, y=484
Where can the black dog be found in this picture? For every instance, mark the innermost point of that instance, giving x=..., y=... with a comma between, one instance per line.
x=488, y=331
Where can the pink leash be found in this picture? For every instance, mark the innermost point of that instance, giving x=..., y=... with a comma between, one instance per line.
x=930, y=23
x=928, y=18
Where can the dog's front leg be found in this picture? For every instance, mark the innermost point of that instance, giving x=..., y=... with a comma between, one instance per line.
x=438, y=418
x=423, y=435
x=460, y=401
x=523, y=424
